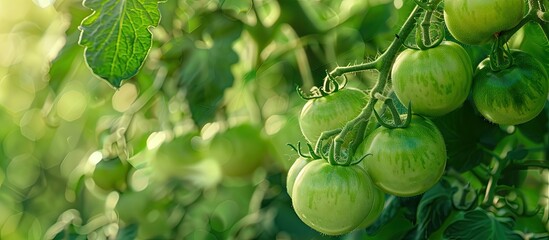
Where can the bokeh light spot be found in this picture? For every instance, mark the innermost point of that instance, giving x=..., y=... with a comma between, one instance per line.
x=124, y=97
x=71, y=105
x=23, y=171
x=33, y=125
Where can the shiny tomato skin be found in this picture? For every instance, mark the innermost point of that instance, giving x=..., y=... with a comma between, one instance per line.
x=331, y=112
x=331, y=199
x=514, y=95
x=405, y=161
x=436, y=81
x=376, y=209
x=477, y=22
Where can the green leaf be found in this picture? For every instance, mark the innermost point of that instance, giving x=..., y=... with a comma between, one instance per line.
x=116, y=37
x=435, y=206
x=463, y=130
x=128, y=233
x=206, y=71
x=407, y=206
x=479, y=224
x=392, y=205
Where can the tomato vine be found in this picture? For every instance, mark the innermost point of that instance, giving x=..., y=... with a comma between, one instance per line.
x=341, y=151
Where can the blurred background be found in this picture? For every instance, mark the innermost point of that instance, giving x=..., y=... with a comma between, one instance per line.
x=194, y=146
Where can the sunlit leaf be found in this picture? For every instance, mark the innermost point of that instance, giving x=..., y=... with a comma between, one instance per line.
x=117, y=37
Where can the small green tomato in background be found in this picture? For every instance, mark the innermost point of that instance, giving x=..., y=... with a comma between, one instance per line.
x=405, y=161
x=436, y=80
x=111, y=174
x=240, y=150
x=331, y=112
x=477, y=21
x=173, y=158
x=331, y=199
x=514, y=95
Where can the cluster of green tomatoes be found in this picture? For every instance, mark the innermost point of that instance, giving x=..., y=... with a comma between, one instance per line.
x=407, y=161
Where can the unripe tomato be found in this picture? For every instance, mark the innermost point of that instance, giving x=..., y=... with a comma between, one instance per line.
x=240, y=150
x=405, y=161
x=331, y=112
x=376, y=209
x=173, y=158
x=477, y=21
x=111, y=174
x=514, y=95
x=331, y=199
x=294, y=170
x=436, y=80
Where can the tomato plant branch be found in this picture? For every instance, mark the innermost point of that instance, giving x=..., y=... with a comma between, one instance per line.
x=383, y=63
x=338, y=71
x=425, y=40
x=491, y=187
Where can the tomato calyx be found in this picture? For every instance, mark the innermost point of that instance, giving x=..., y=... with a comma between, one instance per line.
x=397, y=122
x=311, y=154
x=331, y=157
x=330, y=86
x=501, y=55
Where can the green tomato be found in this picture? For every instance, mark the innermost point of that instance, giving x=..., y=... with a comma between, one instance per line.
x=514, y=95
x=111, y=174
x=478, y=21
x=331, y=199
x=331, y=112
x=436, y=81
x=376, y=209
x=172, y=159
x=405, y=161
x=294, y=170
x=240, y=150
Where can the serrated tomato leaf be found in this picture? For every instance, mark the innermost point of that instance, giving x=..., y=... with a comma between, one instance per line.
x=479, y=224
x=435, y=206
x=116, y=37
x=206, y=71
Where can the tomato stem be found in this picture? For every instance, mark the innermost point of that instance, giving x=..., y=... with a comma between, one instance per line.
x=499, y=166
x=384, y=64
x=423, y=39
